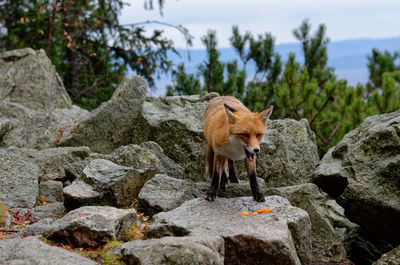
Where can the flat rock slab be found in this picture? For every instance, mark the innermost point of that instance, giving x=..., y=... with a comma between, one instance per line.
x=32, y=251
x=174, y=250
x=280, y=237
x=91, y=226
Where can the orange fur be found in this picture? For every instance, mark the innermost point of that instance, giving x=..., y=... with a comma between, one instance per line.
x=229, y=131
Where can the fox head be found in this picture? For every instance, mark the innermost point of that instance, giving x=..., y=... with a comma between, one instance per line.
x=248, y=128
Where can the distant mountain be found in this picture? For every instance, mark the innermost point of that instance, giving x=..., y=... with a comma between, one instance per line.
x=348, y=58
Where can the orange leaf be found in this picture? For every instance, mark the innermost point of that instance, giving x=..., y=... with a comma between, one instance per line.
x=245, y=213
x=254, y=214
x=83, y=215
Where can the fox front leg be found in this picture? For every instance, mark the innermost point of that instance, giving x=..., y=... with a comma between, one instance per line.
x=219, y=168
x=252, y=175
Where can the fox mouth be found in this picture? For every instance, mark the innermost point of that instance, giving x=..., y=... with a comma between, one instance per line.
x=250, y=156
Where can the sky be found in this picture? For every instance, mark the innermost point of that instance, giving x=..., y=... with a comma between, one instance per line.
x=344, y=19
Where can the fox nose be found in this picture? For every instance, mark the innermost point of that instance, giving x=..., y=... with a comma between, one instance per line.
x=256, y=150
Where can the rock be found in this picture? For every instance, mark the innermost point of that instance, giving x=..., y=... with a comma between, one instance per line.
x=93, y=226
x=107, y=181
x=80, y=193
x=18, y=178
x=173, y=250
x=51, y=191
x=34, y=229
x=146, y=155
x=38, y=129
x=33, y=251
x=280, y=237
x=29, y=78
x=391, y=258
x=50, y=210
x=289, y=153
x=176, y=124
x=361, y=173
x=51, y=161
x=163, y=193
x=326, y=246
x=110, y=125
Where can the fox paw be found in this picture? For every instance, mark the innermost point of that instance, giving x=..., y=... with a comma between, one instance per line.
x=234, y=179
x=210, y=197
x=259, y=197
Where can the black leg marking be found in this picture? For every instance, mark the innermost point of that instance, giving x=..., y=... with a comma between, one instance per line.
x=232, y=172
x=257, y=195
x=224, y=181
x=212, y=193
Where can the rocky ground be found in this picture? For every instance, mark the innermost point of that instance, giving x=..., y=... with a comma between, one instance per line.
x=125, y=183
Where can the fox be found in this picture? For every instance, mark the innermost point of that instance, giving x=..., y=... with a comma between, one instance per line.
x=232, y=133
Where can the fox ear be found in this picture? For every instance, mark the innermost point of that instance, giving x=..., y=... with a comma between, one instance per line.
x=264, y=114
x=230, y=113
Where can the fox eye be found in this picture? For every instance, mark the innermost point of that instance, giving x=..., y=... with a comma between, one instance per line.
x=258, y=135
x=244, y=135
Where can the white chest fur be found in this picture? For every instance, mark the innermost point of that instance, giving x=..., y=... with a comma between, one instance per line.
x=234, y=151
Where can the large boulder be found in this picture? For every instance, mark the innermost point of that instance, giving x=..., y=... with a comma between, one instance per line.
x=19, y=185
x=288, y=151
x=280, y=237
x=33, y=251
x=326, y=245
x=173, y=250
x=362, y=172
x=110, y=125
x=93, y=226
x=176, y=124
x=37, y=129
x=29, y=78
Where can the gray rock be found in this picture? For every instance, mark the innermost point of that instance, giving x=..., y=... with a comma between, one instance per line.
x=110, y=125
x=33, y=251
x=103, y=181
x=362, y=171
x=29, y=78
x=391, y=258
x=50, y=210
x=92, y=226
x=34, y=229
x=163, y=193
x=176, y=124
x=51, y=161
x=18, y=178
x=51, y=191
x=146, y=155
x=326, y=246
x=174, y=250
x=37, y=129
x=80, y=193
x=280, y=237
x=289, y=153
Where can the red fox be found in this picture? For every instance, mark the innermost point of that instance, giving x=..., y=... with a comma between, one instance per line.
x=232, y=132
